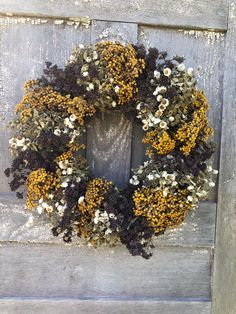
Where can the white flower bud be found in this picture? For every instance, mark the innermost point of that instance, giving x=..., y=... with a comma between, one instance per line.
x=57, y=132
x=163, y=124
x=69, y=171
x=189, y=198
x=181, y=67
x=64, y=184
x=73, y=117
x=167, y=72
x=159, y=98
x=156, y=74
x=81, y=200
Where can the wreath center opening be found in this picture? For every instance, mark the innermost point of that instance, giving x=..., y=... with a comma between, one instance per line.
x=109, y=145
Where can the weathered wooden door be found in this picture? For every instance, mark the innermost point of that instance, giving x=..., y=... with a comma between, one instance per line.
x=39, y=274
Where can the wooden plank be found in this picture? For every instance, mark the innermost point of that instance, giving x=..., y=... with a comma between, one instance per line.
x=197, y=231
x=224, y=287
x=138, y=148
x=115, y=31
x=109, y=147
x=64, y=271
x=5, y=132
x=5, y=162
x=42, y=306
x=211, y=14
x=202, y=50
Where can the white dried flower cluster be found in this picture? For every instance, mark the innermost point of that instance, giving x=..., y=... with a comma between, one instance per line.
x=102, y=221
x=19, y=143
x=44, y=206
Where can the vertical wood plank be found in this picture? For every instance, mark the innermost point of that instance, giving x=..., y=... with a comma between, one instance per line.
x=138, y=148
x=224, y=287
x=109, y=138
x=109, y=147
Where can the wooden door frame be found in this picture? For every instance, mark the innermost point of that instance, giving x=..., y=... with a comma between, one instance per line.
x=224, y=273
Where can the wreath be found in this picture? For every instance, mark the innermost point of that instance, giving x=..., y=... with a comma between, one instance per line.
x=49, y=169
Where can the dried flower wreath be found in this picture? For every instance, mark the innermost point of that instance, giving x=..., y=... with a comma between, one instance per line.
x=46, y=146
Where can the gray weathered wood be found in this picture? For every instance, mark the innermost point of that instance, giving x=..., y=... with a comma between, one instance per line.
x=5, y=162
x=138, y=148
x=198, y=14
x=198, y=229
x=25, y=47
x=62, y=271
x=224, y=288
x=202, y=50
x=42, y=306
x=115, y=31
x=109, y=147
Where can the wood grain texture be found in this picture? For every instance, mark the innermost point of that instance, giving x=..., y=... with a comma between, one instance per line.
x=196, y=14
x=42, y=306
x=224, y=288
x=203, y=51
x=197, y=231
x=115, y=31
x=24, y=49
x=5, y=162
x=109, y=148
x=138, y=148
x=62, y=271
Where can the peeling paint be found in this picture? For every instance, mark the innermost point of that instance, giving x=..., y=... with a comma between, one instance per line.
x=211, y=36
x=58, y=22
x=13, y=20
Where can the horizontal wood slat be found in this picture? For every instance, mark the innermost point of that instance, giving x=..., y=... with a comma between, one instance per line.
x=197, y=230
x=211, y=14
x=59, y=271
x=42, y=306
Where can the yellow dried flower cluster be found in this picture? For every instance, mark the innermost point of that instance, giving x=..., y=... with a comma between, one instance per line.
x=198, y=128
x=94, y=195
x=39, y=183
x=161, y=211
x=123, y=68
x=41, y=98
x=163, y=143
x=71, y=151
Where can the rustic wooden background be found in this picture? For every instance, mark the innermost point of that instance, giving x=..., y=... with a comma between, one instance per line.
x=38, y=274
